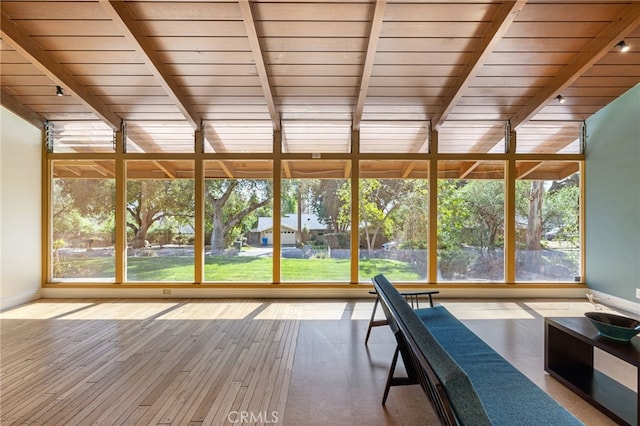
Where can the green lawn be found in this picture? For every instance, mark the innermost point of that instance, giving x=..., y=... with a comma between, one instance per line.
x=235, y=268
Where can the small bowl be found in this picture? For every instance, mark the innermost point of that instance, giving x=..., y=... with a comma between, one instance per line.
x=614, y=327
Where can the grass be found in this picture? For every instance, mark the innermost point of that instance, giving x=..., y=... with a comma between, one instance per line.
x=235, y=269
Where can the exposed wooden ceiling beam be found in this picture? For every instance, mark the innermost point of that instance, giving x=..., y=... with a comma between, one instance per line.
x=623, y=24
x=164, y=169
x=132, y=31
x=524, y=169
x=505, y=16
x=226, y=169
x=374, y=36
x=467, y=168
x=254, y=42
x=408, y=169
x=107, y=167
x=286, y=168
x=41, y=59
x=347, y=170
x=20, y=109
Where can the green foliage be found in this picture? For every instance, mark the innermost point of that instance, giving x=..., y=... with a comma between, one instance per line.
x=452, y=215
x=484, y=201
x=83, y=209
x=153, y=200
x=380, y=201
x=410, y=222
x=561, y=208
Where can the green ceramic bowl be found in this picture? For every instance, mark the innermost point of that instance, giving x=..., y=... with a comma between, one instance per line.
x=614, y=327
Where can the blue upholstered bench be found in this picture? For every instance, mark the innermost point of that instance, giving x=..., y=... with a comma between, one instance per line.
x=467, y=382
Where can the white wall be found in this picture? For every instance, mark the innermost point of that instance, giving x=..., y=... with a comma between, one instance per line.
x=20, y=209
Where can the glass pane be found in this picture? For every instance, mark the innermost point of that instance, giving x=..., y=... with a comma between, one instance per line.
x=160, y=221
x=316, y=136
x=394, y=136
x=316, y=222
x=549, y=137
x=245, y=136
x=82, y=136
x=156, y=137
x=547, y=221
x=394, y=200
x=471, y=221
x=472, y=137
x=83, y=200
x=238, y=208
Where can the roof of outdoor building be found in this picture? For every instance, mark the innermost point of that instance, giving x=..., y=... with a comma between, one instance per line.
x=290, y=221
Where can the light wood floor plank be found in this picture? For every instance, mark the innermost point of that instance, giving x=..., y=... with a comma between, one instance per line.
x=198, y=362
x=135, y=362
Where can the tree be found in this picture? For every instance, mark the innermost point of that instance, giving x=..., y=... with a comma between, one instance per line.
x=484, y=200
x=470, y=213
x=379, y=198
x=534, y=226
x=333, y=203
x=411, y=221
x=82, y=207
x=230, y=202
x=149, y=201
x=452, y=219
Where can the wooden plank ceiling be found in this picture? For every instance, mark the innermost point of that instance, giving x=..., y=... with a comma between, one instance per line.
x=237, y=70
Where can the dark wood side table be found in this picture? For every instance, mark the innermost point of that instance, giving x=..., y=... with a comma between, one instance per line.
x=568, y=357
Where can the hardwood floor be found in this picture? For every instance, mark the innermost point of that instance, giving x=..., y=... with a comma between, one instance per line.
x=214, y=362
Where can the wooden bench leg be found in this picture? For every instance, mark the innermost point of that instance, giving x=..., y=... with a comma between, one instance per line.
x=392, y=370
x=372, y=322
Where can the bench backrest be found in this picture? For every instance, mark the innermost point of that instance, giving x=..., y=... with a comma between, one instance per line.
x=448, y=387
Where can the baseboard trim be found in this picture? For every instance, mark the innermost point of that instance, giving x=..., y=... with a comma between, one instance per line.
x=360, y=291
x=616, y=302
x=19, y=299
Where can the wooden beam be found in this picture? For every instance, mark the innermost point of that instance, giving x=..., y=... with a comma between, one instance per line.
x=227, y=171
x=347, y=169
x=374, y=36
x=408, y=169
x=524, y=169
x=21, y=110
x=132, y=31
x=505, y=16
x=287, y=169
x=620, y=26
x=41, y=59
x=164, y=169
x=467, y=168
x=254, y=42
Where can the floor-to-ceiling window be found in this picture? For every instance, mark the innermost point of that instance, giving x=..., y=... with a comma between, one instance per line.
x=394, y=217
x=160, y=220
x=82, y=220
x=548, y=221
x=315, y=221
x=238, y=215
x=471, y=215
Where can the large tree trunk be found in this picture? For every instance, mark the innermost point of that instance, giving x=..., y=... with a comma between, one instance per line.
x=144, y=219
x=534, y=229
x=217, y=235
x=220, y=228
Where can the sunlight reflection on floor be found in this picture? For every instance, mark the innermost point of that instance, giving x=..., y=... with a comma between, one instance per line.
x=44, y=310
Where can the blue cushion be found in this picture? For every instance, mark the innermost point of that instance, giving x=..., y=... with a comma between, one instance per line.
x=508, y=396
